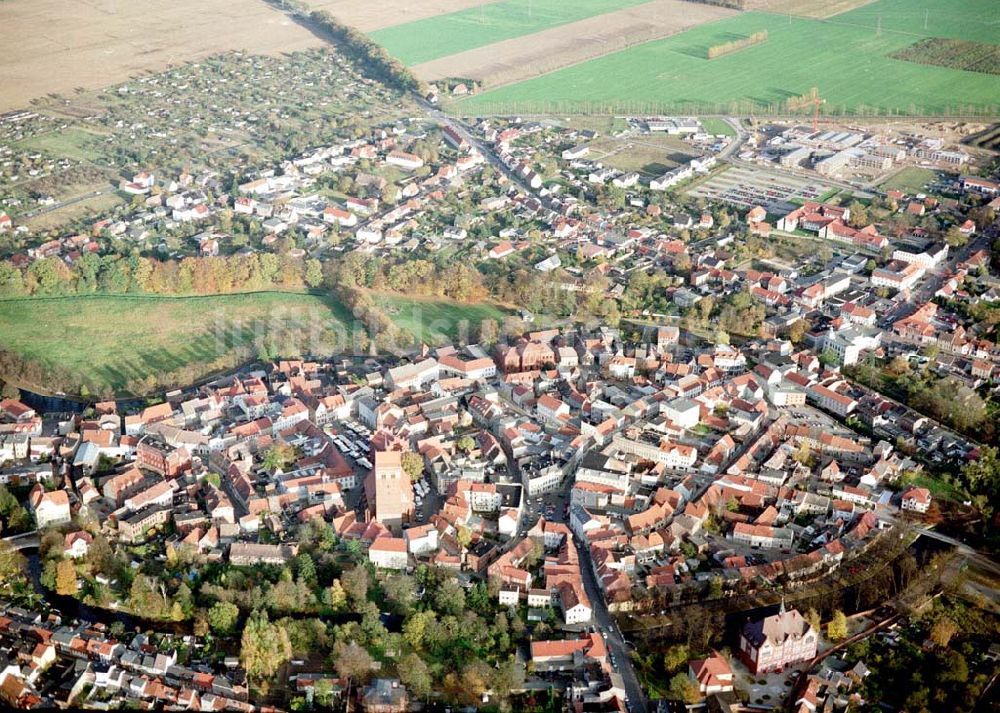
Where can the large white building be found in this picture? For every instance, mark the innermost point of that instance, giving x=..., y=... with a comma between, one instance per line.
x=848, y=343
x=928, y=258
x=49, y=508
x=413, y=375
x=388, y=553
x=545, y=480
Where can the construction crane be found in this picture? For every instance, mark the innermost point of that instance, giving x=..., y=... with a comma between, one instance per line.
x=810, y=99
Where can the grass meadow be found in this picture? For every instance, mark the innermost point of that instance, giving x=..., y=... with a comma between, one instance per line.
x=436, y=321
x=114, y=341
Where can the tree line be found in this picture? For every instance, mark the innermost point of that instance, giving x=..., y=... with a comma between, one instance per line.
x=731, y=4
x=116, y=274
x=373, y=58
x=736, y=45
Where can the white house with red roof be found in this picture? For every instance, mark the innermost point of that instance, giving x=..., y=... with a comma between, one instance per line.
x=568, y=654
x=77, y=544
x=404, y=160
x=16, y=410
x=49, y=508
x=333, y=214
x=915, y=500
x=388, y=553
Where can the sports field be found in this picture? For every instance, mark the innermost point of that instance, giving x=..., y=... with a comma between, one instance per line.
x=848, y=63
x=717, y=127
x=116, y=342
x=438, y=321
x=443, y=35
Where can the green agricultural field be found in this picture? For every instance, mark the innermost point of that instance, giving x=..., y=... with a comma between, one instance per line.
x=961, y=19
x=848, y=63
x=434, y=37
x=438, y=321
x=117, y=342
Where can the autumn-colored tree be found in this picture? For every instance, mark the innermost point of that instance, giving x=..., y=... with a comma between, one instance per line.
x=66, y=578
x=413, y=465
x=416, y=675
x=222, y=617
x=812, y=618
x=797, y=331
x=264, y=647
x=942, y=631
x=836, y=628
x=334, y=596
x=675, y=657
x=352, y=662
x=355, y=583
x=415, y=628
x=683, y=689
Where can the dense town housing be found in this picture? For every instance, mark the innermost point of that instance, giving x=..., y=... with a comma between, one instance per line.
x=590, y=413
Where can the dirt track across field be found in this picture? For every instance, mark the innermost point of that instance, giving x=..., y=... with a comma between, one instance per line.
x=819, y=9
x=530, y=55
x=368, y=15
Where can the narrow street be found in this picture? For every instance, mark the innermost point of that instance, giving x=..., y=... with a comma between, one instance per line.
x=604, y=622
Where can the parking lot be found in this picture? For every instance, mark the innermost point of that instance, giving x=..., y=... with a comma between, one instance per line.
x=747, y=188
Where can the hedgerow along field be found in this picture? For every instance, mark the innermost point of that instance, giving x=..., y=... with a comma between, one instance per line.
x=434, y=37
x=848, y=62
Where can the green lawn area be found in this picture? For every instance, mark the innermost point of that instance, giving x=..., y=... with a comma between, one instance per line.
x=111, y=341
x=69, y=143
x=717, y=127
x=438, y=321
x=93, y=206
x=434, y=37
x=938, y=488
x=910, y=179
x=847, y=62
